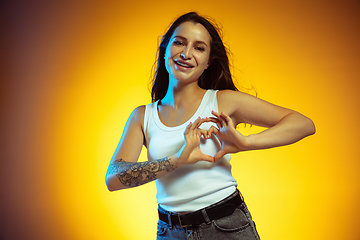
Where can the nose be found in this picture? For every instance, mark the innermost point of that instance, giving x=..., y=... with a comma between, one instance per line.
x=186, y=54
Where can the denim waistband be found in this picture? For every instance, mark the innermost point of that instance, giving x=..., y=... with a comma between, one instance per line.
x=210, y=206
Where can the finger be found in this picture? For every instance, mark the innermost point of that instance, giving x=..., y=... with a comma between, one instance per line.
x=216, y=120
x=188, y=128
x=223, y=118
x=203, y=133
x=207, y=158
x=205, y=120
x=215, y=113
x=226, y=117
x=196, y=124
x=219, y=155
x=212, y=130
x=192, y=128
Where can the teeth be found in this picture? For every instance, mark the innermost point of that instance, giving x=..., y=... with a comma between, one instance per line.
x=183, y=64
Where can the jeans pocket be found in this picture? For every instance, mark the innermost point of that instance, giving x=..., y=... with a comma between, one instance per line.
x=161, y=229
x=233, y=223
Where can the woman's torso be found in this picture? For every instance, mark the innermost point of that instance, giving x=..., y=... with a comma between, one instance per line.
x=194, y=186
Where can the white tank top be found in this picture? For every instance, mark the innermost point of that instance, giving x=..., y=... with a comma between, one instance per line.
x=194, y=186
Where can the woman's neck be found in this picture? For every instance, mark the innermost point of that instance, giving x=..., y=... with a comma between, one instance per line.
x=179, y=95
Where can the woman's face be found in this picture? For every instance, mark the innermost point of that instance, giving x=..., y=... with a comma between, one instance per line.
x=188, y=51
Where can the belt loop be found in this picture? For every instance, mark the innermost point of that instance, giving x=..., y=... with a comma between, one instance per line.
x=206, y=217
x=170, y=222
x=241, y=196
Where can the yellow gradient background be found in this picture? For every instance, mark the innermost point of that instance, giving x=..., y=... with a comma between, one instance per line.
x=74, y=70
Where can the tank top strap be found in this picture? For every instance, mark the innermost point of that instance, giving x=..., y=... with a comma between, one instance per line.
x=212, y=100
x=149, y=111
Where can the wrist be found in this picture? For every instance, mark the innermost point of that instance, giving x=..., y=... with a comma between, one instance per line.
x=248, y=142
x=180, y=158
x=242, y=142
x=176, y=160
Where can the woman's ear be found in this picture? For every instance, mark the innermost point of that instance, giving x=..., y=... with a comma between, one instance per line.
x=208, y=64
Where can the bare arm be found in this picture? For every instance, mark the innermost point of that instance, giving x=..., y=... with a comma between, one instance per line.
x=132, y=174
x=285, y=126
x=290, y=129
x=125, y=172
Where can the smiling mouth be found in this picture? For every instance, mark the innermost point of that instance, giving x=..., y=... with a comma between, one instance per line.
x=183, y=64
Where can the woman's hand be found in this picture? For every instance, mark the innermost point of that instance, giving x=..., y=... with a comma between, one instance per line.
x=231, y=140
x=190, y=152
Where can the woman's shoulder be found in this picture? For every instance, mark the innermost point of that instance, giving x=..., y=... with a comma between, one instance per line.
x=229, y=100
x=138, y=113
x=230, y=95
x=140, y=110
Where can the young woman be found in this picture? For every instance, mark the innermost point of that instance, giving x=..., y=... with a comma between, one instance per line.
x=190, y=130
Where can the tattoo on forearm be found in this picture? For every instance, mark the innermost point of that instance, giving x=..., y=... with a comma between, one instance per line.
x=133, y=174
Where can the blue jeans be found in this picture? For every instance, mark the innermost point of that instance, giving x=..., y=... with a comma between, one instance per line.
x=238, y=226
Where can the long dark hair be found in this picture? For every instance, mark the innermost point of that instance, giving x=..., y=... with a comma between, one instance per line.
x=216, y=76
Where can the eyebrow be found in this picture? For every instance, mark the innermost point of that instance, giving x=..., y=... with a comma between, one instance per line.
x=183, y=38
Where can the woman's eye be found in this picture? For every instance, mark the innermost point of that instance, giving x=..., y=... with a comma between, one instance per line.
x=201, y=49
x=178, y=43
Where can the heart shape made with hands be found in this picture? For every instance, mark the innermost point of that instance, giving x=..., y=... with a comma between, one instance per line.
x=221, y=120
x=231, y=140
